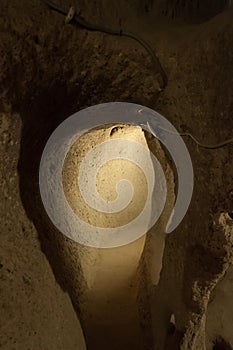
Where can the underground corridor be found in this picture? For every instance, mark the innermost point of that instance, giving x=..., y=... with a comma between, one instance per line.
x=160, y=291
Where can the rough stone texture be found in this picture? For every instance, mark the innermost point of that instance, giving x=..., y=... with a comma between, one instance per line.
x=35, y=312
x=48, y=71
x=219, y=312
x=111, y=311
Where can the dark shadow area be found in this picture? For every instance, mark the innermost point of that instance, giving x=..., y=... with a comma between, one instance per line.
x=221, y=344
x=197, y=11
x=174, y=338
x=40, y=116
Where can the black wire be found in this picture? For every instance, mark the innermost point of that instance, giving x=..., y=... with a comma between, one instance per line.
x=95, y=27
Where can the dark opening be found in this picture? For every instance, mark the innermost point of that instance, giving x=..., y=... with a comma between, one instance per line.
x=221, y=344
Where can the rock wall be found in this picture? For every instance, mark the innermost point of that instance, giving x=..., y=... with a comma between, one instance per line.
x=50, y=70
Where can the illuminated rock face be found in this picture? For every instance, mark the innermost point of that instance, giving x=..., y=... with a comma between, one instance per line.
x=111, y=316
